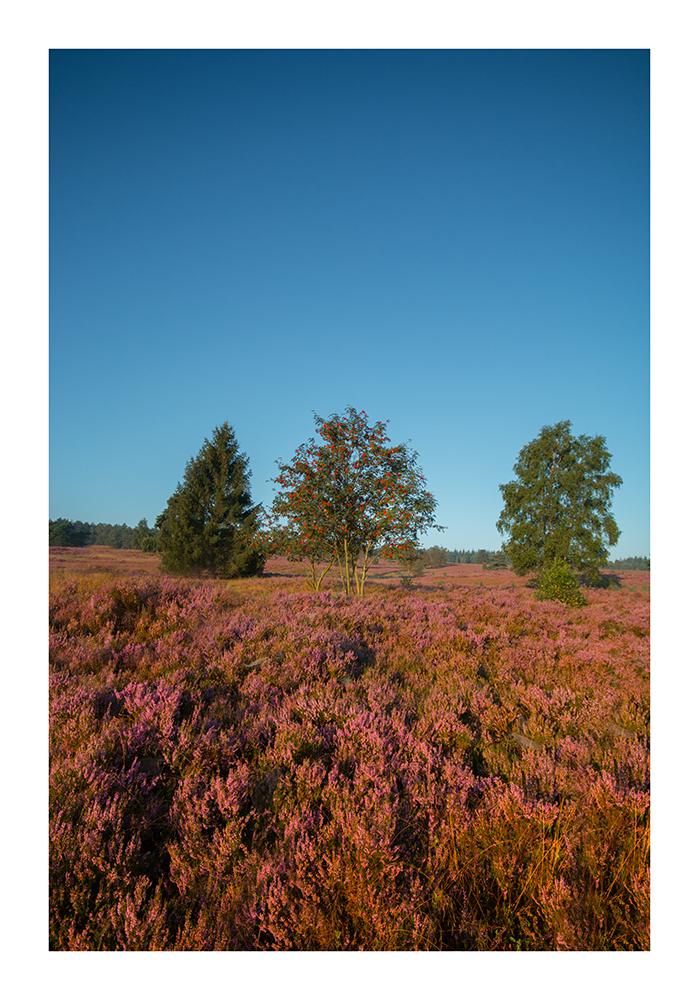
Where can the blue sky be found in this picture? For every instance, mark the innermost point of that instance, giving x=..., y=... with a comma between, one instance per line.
x=455, y=241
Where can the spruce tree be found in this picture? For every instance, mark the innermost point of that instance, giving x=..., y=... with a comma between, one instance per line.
x=210, y=521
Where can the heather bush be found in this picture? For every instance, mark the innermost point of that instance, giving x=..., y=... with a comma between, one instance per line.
x=237, y=768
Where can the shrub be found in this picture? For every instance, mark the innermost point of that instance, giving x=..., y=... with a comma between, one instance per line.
x=497, y=561
x=558, y=583
x=246, y=767
x=435, y=557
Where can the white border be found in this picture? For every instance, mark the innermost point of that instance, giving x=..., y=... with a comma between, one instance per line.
x=29, y=31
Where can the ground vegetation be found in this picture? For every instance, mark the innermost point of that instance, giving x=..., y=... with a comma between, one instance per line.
x=243, y=765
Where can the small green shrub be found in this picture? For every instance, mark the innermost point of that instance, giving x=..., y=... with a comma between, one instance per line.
x=558, y=583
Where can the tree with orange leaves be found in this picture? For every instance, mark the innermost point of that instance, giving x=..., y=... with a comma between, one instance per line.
x=348, y=498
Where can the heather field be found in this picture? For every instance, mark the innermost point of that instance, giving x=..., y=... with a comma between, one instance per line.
x=246, y=765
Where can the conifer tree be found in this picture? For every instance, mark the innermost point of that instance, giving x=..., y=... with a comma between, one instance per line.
x=210, y=522
x=140, y=533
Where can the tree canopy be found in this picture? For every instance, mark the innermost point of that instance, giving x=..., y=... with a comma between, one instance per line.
x=210, y=522
x=349, y=498
x=558, y=508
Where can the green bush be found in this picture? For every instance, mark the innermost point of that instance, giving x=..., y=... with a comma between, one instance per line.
x=498, y=560
x=558, y=583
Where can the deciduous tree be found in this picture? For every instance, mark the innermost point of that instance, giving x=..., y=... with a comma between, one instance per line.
x=348, y=498
x=559, y=506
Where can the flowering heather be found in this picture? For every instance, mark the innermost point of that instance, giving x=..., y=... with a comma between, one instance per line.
x=252, y=766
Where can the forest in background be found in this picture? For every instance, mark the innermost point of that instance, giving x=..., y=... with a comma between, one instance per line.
x=79, y=534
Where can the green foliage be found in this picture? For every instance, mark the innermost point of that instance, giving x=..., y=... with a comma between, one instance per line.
x=434, y=557
x=633, y=562
x=496, y=560
x=116, y=536
x=143, y=535
x=67, y=533
x=557, y=582
x=210, y=523
x=348, y=499
x=470, y=556
x=77, y=534
x=411, y=563
x=559, y=506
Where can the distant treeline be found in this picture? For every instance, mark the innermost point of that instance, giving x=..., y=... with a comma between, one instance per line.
x=634, y=562
x=78, y=534
x=121, y=536
x=482, y=556
x=497, y=560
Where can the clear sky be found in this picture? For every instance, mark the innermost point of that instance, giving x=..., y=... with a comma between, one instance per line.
x=455, y=241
